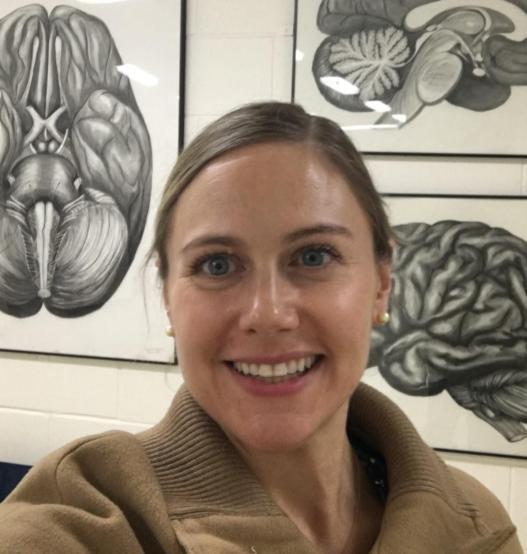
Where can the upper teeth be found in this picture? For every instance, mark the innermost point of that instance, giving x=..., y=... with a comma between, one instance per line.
x=275, y=370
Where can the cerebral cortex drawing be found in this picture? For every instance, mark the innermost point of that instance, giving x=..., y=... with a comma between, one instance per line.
x=75, y=164
x=460, y=55
x=459, y=320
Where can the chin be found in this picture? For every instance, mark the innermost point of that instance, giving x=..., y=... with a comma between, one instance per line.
x=271, y=438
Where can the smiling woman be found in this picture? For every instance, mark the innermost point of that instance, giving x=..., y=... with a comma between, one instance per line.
x=274, y=252
x=293, y=259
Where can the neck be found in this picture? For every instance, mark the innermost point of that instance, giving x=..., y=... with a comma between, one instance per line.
x=313, y=484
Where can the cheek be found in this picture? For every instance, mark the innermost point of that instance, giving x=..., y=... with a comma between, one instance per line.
x=200, y=324
x=346, y=314
x=351, y=301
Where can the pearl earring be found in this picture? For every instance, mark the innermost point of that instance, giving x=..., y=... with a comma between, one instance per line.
x=384, y=318
x=169, y=331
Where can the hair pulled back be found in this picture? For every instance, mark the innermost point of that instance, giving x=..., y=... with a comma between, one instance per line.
x=262, y=122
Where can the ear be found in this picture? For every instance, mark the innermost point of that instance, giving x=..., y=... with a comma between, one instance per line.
x=384, y=285
x=165, y=297
x=157, y=264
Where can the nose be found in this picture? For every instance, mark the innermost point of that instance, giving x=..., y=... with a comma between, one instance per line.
x=269, y=305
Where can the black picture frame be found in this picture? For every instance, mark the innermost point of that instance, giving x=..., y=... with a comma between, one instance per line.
x=455, y=348
x=134, y=305
x=457, y=123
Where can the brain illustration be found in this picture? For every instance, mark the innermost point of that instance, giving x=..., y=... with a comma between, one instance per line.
x=461, y=55
x=75, y=164
x=459, y=320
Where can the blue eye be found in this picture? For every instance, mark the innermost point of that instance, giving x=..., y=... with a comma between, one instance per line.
x=318, y=255
x=315, y=257
x=216, y=266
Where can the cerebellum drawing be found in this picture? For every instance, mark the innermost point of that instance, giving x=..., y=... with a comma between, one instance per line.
x=75, y=164
x=461, y=55
x=459, y=320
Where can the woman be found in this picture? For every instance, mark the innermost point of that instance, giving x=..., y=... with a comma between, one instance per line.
x=274, y=252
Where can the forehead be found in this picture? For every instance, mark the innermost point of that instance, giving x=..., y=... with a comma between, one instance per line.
x=279, y=183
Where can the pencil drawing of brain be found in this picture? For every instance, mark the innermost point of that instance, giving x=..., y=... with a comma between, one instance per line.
x=414, y=53
x=75, y=164
x=459, y=320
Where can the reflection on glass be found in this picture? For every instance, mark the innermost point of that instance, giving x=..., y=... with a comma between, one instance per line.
x=401, y=117
x=377, y=106
x=340, y=85
x=369, y=127
x=138, y=75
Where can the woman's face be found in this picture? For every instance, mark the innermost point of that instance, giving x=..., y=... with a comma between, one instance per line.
x=271, y=266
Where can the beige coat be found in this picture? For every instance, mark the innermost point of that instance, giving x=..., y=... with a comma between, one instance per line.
x=182, y=487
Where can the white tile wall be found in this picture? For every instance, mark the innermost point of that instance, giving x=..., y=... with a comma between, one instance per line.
x=23, y=383
x=282, y=65
x=241, y=17
x=24, y=435
x=524, y=180
x=194, y=124
x=65, y=428
x=145, y=394
x=414, y=174
x=83, y=388
x=238, y=51
x=242, y=68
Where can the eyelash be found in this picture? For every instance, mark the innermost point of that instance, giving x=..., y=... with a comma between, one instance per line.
x=197, y=265
x=320, y=248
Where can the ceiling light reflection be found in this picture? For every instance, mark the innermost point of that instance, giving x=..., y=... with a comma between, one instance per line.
x=138, y=75
x=377, y=106
x=339, y=84
x=400, y=117
x=369, y=127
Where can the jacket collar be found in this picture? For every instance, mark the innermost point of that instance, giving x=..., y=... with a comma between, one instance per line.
x=202, y=475
x=411, y=464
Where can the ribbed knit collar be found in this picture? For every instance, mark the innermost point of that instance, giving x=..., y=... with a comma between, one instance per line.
x=200, y=471
x=411, y=464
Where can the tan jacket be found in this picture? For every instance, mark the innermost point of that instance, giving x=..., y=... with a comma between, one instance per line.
x=181, y=487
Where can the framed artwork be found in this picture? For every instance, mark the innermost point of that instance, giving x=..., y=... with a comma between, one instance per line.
x=454, y=353
x=91, y=122
x=420, y=76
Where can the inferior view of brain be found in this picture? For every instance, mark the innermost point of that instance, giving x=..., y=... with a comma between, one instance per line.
x=75, y=164
x=459, y=320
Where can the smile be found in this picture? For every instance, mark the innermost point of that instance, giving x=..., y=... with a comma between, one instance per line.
x=276, y=373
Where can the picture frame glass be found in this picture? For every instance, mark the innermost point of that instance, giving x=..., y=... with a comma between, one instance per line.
x=93, y=94
x=454, y=354
x=424, y=77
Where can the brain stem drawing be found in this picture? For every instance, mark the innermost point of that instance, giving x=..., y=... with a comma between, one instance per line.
x=459, y=320
x=75, y=164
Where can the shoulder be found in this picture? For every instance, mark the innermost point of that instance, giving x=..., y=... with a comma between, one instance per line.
x=80, y=497
x=491, y=512
x=108, y=454
x=497, y=532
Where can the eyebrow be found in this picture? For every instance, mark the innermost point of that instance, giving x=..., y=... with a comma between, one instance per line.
x=304, y=232
x=321, y=229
